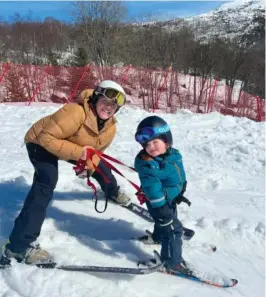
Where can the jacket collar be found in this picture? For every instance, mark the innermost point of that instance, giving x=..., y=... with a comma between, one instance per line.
x=91, y=119
x=146, y=157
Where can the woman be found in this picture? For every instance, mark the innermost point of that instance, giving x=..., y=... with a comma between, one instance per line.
x=65, y=135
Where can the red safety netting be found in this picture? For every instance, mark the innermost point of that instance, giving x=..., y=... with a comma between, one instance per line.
x=156, y=90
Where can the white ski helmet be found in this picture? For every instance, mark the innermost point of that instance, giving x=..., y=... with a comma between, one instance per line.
x=112, y=90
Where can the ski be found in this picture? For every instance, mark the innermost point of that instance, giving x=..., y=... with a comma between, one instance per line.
x=95, y=269
x=144, y=214
x=221, y=282
x=140, y=211
x=225, y=283
x=187, y=235
x=204, y=246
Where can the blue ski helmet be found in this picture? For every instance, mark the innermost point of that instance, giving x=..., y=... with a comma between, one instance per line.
x=153, y=127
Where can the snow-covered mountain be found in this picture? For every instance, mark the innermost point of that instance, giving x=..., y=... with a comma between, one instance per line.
x=231, y=20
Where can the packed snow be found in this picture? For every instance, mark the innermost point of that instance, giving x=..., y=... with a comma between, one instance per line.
x=224, y=158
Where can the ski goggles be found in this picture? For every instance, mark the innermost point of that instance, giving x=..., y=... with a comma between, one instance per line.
x=148, y=133
x=114, y=95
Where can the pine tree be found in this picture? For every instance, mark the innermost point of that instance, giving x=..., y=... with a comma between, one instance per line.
x=80, y=57
x=52, y=58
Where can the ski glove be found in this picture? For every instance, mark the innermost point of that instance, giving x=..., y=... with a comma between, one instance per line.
x=184, y=189
x=164, y=216
x=180, y=198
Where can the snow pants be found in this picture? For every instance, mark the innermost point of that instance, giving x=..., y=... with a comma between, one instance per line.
x=171, y=240
x=28, y=224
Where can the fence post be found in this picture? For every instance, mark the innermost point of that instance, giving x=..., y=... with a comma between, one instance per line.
x=161, y=87
x=259, y=109
x=125, y=74
x=210, y=101
x=4, y=71
x=39, y=85
x=75, y=89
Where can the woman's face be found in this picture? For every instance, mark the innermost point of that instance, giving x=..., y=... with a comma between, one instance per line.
x=105, y=108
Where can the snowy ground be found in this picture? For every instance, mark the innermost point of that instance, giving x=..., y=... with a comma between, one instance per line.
x=225, y=164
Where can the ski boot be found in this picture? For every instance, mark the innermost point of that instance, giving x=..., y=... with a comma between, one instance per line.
x=31, y=256
x=178, y=269
x=148, y=238
x=188, y=233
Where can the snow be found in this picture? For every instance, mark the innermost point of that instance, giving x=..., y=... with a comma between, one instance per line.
x=237, y=3
x=225, y=164
x=230, y=21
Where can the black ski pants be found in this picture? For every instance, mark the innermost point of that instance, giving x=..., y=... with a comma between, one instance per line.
x=28, y=224
x=171, y=241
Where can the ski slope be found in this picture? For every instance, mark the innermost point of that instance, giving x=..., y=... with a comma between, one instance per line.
x=224, y=159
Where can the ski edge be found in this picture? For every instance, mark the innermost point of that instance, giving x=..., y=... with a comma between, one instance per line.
x=233, y=281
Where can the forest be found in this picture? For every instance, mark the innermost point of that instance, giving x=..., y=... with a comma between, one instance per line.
x=99, y=35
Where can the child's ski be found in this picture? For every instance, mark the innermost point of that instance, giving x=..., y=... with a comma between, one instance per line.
x=140, y=211
x=144, y=214
x=220, y=282
x=204, y=246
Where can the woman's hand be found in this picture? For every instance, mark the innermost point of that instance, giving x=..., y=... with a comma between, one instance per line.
x=92, y=159
x=86, y=157
x=86, y=153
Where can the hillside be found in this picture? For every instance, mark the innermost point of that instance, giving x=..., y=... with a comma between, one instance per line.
x=234, y=20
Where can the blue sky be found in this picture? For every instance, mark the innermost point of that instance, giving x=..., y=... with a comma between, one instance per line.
x=160, y=10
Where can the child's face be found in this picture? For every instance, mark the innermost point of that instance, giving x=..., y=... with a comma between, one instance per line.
x=156, y=147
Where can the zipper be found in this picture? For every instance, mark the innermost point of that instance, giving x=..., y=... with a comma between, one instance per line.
x=179, y=173
x=98, y=142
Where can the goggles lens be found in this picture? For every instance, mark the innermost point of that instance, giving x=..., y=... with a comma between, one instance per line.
x=113, y=94
x=148, y=133
x=109, y=102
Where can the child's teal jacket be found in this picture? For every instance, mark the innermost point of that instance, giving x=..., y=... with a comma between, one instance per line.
x=162, y=178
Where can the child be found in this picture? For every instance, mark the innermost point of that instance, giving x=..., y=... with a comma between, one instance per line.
x=163, y=181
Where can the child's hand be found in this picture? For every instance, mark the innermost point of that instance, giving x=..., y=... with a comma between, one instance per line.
x=180, y=198
x=165, y=217
x=184, y=188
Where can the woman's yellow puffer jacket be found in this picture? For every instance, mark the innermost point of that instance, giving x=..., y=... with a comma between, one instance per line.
x=65, y=132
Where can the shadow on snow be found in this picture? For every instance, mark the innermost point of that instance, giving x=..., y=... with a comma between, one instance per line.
x=109, y=236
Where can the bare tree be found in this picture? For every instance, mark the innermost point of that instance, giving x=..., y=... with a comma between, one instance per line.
x=99, y=22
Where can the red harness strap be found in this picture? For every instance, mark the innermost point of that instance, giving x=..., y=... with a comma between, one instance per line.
x=81, y=165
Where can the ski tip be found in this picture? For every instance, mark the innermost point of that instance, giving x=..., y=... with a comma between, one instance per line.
x=234, y=282
x=214, y=248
